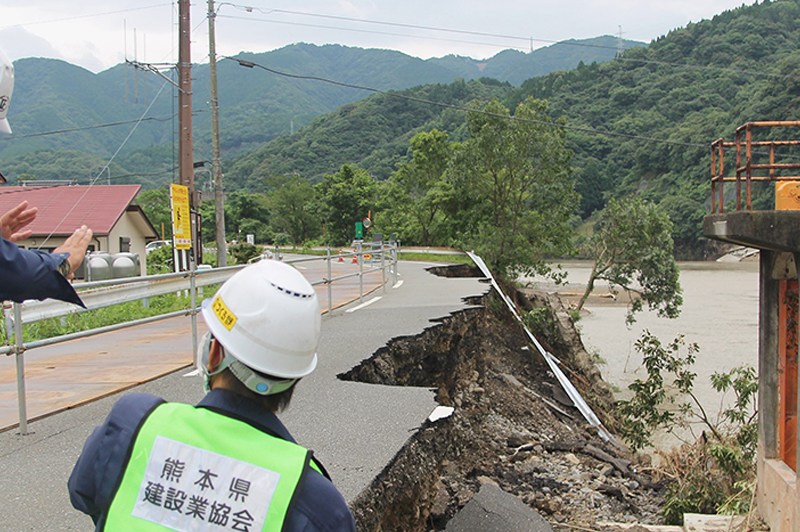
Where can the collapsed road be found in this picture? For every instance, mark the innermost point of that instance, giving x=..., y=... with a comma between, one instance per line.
x=433, y=340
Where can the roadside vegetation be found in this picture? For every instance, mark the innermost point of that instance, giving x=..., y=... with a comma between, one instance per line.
x=93, y=319
x=714, y=471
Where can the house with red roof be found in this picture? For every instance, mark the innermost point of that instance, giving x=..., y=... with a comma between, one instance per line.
x=108, y=210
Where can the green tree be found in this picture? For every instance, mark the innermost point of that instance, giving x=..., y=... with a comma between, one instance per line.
x=715, y=474
x=632, y=249
x=208, y=226
x=156, y=205
x=422, y=181
x=347, y=197
x=292, y=201
x=247, y=213
x=513, y=192
x=243, y=252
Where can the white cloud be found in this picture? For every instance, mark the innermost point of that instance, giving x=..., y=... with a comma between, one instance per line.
x=93, y=34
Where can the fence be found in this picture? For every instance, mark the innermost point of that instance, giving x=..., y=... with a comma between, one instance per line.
x=746, y=168
x=111, y=292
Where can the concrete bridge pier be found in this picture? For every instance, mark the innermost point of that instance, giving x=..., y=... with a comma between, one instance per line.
x=777, y=235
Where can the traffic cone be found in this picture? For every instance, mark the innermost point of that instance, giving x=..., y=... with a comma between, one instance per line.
x=341, y=259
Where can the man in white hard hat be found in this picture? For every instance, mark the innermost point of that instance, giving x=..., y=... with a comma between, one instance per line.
x=32, y=274
x=227, y=463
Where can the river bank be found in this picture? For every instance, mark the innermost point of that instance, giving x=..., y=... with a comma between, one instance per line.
x=719, y=313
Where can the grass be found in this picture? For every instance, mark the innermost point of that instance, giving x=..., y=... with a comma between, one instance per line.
x=94, y=319
x=435, y=257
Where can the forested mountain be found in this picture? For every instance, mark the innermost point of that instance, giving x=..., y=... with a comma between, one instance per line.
x=516, y=67
x=373, y=133
x=256, y=106
x=689, y=88
x=642, y=123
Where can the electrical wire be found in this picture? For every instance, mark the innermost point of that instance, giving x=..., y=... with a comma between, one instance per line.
x=251, y=64
x=250, y=9
x=376, y=32
x=87, y=128
x=23, y=189
x=103, y=169
x=622, y=57
x=91, y=15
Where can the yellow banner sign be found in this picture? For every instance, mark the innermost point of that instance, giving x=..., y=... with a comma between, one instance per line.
x=181, y=222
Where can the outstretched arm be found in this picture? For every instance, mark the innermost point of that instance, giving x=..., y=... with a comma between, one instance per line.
x=13, y=222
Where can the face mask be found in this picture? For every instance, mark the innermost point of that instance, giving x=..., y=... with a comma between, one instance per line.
x=257, y=383
x=201, y=360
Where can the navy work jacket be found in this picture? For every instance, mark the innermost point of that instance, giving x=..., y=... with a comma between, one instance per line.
x=318, y=506
x=32, y=274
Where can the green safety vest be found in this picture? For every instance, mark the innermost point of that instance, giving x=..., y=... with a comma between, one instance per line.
x=192, y=470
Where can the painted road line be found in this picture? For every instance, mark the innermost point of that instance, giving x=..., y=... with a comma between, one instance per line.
x=362, y=305
x=193, y=373
x=398, y=284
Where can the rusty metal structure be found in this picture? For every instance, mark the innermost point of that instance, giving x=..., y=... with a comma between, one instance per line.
x=776, y=233
x=748, y=171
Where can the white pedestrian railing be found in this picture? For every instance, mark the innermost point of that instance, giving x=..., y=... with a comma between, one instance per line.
x=101, y=294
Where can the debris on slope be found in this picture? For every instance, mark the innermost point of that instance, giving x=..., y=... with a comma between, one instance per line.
x=511, y=427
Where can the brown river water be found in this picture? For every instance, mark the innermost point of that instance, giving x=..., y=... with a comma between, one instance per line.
x=719, y=313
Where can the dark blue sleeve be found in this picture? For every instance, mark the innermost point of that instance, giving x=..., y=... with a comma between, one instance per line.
x=102, y=460
x=32, y=274
x=320, y=507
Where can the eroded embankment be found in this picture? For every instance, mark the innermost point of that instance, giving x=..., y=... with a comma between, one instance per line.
x=512, y=425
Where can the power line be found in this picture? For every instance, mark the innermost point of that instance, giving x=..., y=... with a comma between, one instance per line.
x=251, y=64
x=91, y=15
x=4, y=192
x=372, y=32
x=250, y=9
x=87, y=128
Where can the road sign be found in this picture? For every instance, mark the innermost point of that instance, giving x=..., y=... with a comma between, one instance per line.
x=181, y=222
x=359, y=230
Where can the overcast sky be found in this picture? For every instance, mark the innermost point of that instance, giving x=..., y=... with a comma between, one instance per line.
x=98, y=34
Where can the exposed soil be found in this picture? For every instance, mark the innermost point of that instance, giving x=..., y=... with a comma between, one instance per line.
x=512, y=426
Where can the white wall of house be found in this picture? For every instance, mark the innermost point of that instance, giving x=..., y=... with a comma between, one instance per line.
x=129, y=225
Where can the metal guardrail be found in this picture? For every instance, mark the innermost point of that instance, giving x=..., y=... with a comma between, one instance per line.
x=101, y=294
x=746, y=168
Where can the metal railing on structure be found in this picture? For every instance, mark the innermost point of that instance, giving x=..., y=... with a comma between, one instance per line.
x=101, y=294
x=747, y=170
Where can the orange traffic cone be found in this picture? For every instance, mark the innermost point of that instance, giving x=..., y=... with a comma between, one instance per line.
x=341, y=259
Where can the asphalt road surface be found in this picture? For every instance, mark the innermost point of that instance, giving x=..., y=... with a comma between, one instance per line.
x=355, y=429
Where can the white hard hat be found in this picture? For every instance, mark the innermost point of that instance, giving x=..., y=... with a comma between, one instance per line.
x=267, y=317
x=6, y=88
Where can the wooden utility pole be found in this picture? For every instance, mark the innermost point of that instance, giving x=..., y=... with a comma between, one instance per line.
x=216, y=162
x=185, y=142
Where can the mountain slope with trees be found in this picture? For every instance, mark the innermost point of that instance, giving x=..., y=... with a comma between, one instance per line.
x=641, y=124
x=687, y=89
x=256, y=106
x=373, y=133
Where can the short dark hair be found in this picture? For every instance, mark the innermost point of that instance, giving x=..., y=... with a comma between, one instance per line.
x=275, y=402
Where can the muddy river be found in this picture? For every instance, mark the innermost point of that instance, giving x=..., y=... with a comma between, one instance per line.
x=719, y=313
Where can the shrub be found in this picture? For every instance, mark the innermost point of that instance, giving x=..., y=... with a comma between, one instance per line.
x=715, y=473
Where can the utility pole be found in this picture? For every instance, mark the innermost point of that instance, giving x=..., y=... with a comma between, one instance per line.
x=216, y=162
x=185, y=141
